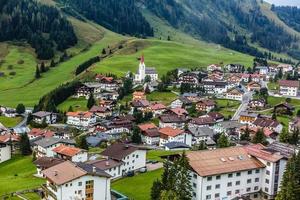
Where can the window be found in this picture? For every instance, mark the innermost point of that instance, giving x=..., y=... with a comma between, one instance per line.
x=229, y=175
x=67, y=185
x=217, y=195
x=256, y=180
x=208, y=187
x=237, y=191
x=266, y=189
x=248, y=189
x=250, y=172
x=218, y=186
x=137, y=156
x=238, y=174
x=194, y=194
x=268, y=163
x=257, y=171
x=194, y=185
x=132, y=155
x=209, y=178
x=229, y=184
x=79, y=183
x=208, y=196
x=237, y=182
x=256, y=188
x=229, y=193
x=268, y=172
x=218, y=177
x=195, y=175
x=267, y=181
x=248, y=180
x=79, y=191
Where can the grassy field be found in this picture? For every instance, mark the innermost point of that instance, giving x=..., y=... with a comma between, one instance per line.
x=163, y=97
x=273, y=101
x=30, y=94
x=17, y=174
x=137, y=187
x=167, y=55
x=273, y=86
x=78, y=104
x=227, y=107
x=155, y=154
x=10, y=122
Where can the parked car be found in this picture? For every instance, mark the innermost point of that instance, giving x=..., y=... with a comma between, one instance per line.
x=130, y=174
x=143, y=170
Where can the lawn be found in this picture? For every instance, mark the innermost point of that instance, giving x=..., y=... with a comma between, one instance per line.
x=163, y=97
x=273, y=86
x=168, y=55
x=9, y=121
x=227, y=107
x=155, y=154
x=78, y=104
x=137, y=187
x=31, y=93
x=17, y=174
x=273, y=101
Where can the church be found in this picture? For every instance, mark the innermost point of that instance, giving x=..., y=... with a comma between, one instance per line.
x=144, y=71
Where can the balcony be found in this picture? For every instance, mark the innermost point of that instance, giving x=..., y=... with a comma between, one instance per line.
x=48, y=192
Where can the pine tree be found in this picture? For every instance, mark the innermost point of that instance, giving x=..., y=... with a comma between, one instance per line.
x=20, y=108
x=37, y=72
x=70, y=109
x=103, y=51
x=91, y=101
x=136, y=135
x=156, y=190
x=259, y=137
x=43, y=67
x=52, y=64
x=82, y=143
x=25, y=145
x=223, y=141
x=246, y=135
x=168, y=195
x=284, y=136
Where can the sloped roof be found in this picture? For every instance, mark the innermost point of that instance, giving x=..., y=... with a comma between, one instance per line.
x=118, y=150
x=173, y=132
x=67, y=150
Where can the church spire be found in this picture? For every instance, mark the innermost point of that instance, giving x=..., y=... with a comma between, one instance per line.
x=142, y=59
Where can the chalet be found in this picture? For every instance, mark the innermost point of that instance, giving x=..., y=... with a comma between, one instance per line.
x=107, y=103
x=5, y=152
x=234, y=68
x=205, y=105
x=233, y=80
x=118, y=126
x=218, y=117
x=203, y=121
x=44, y=117
x=262, y=70
x=284, y=108
x=81, y=119
x=257, y=103
x=234, y=94
x=213, y=78
x=85, y=91
x=213, y=67
x=138, y=95
x=142, y=105
x=251, y=77
x=285, y=68
x=181, y=102
x=174, y=121
x=181, y=71
x=253, y=86
x=40, y=133
x=294, y=125
x=8, y=112
x=150, y=133
x=270, y=135
x=271, y=124
x=179, y=112
x=44, y=147
x=107, y=96
x=214, y=87
x=107, y=83
x=201, y=134
x=230, y=128
x=45, y=163
x=10, y=139
x=70, y=153
x=68, y=180
x=247, y=118
x=101, y=111
x=169, y=134
x=157, y=109
x=188, y=77
x=288, y=87
x=194, y=97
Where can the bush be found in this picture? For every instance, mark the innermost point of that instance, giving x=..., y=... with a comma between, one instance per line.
x=12, y=73
x=20, y=62
x=10, y=67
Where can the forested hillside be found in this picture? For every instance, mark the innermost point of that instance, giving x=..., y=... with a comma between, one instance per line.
x=120, y=16
x=43, y=27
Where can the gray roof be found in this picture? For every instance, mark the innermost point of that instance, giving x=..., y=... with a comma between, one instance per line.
x=230, y=124
x=90, y=169
x=249, y=114
x=286, y=150
x=210, y=142
x=41, y=114
x=201, y=131
x=150, y=70
x=175, y=145
x=46, y=142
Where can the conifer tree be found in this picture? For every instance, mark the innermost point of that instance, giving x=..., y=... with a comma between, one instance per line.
x=43, y=67
x=91, y=101
x=37, y=72
x=136, y=136
x=25, y=145
x=259, y=137
x=223, y=141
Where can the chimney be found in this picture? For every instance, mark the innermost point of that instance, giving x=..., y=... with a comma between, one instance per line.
x=107, y=163
x=94, y=169
x=55, y=173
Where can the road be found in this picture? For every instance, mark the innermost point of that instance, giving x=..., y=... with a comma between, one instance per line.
x=243, y=107
x=23, y=123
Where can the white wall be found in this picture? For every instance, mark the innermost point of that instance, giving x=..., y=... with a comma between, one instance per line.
x=5, y=153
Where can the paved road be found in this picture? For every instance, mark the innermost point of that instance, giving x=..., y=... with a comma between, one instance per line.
x=243, y=107
x=23, y=123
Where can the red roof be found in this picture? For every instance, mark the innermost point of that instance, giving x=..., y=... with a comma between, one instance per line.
x=257, y=151
x=5, y=138
x=80, y=114
x=288, y=83
x=157, y=106
x=168, y=131
x=179, y=111
x=40, y=132
x=67, y=150
x=144, y=127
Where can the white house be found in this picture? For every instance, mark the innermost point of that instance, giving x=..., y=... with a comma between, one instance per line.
x=70, y=153
x=288, y=87
x=150, y=133
x=169, y=134
x=144, y=71
x=234, y=94
x=5, y=152
x=76, y=181
x=42, y=116
x=83, y=119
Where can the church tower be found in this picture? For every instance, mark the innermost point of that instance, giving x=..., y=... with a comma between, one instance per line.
x=142, y=68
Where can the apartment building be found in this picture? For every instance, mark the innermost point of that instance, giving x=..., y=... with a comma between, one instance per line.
x=288, y=87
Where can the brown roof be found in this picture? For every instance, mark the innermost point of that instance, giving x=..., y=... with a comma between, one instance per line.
x=257, y=150
x=288, y=83
x=264, y=122
x=105, y=163
x=172, y=118
x=144, y=127
x=40, y=132
x=203, y=120
x=215, y=115
x=221, y=161
x=100, y=109
x=157, y=106
x=63, y=173
x=168, y=131
x=153, y=132
x=80, y=114
x=179, y=111
x=67, y=150
x=118, y=150
x=46, y=162
x=207, y=102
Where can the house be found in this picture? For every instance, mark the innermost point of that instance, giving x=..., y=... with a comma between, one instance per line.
x=101, y=111
x=144, y=71
x=169, y=134
x=235, y=94
x=205, y=105
x=284, y=108
x=107, y=83
x=11, y=140
x=181, y=102
x=142, y=105
x=229, y=128
x=138, y=95
x=8, y=112
x=5, y=152
x=271, y=124
x=285, y=68
x=176, y=146
x=45, y=163
x=213, y=67
x=201, y=134
x=117, y=126
x=179, y=111
x=107, y=96
x=233, y=80
x=44, y=117
x=247, y=117
x=44, y=147
x=253, y=86
x=81, y=119
x=270, y=135
x=174, y=121
x=234, y=68
x=68, y=180
x=294, y=125
x=251, y=77
x=203, y=121
x=214, y=87
x=257, y=103
x=157, y=109
x=40, y=133
x=262, y=70
x=70, y=153
x=288, y=87
x=83, y=91
x=218, y=117
x=194, y=97
x=189, y=78
x=230, y=173
x=150, y=133
x=132, y=158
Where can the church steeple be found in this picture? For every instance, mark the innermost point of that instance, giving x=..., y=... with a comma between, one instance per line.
x=142, y=59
